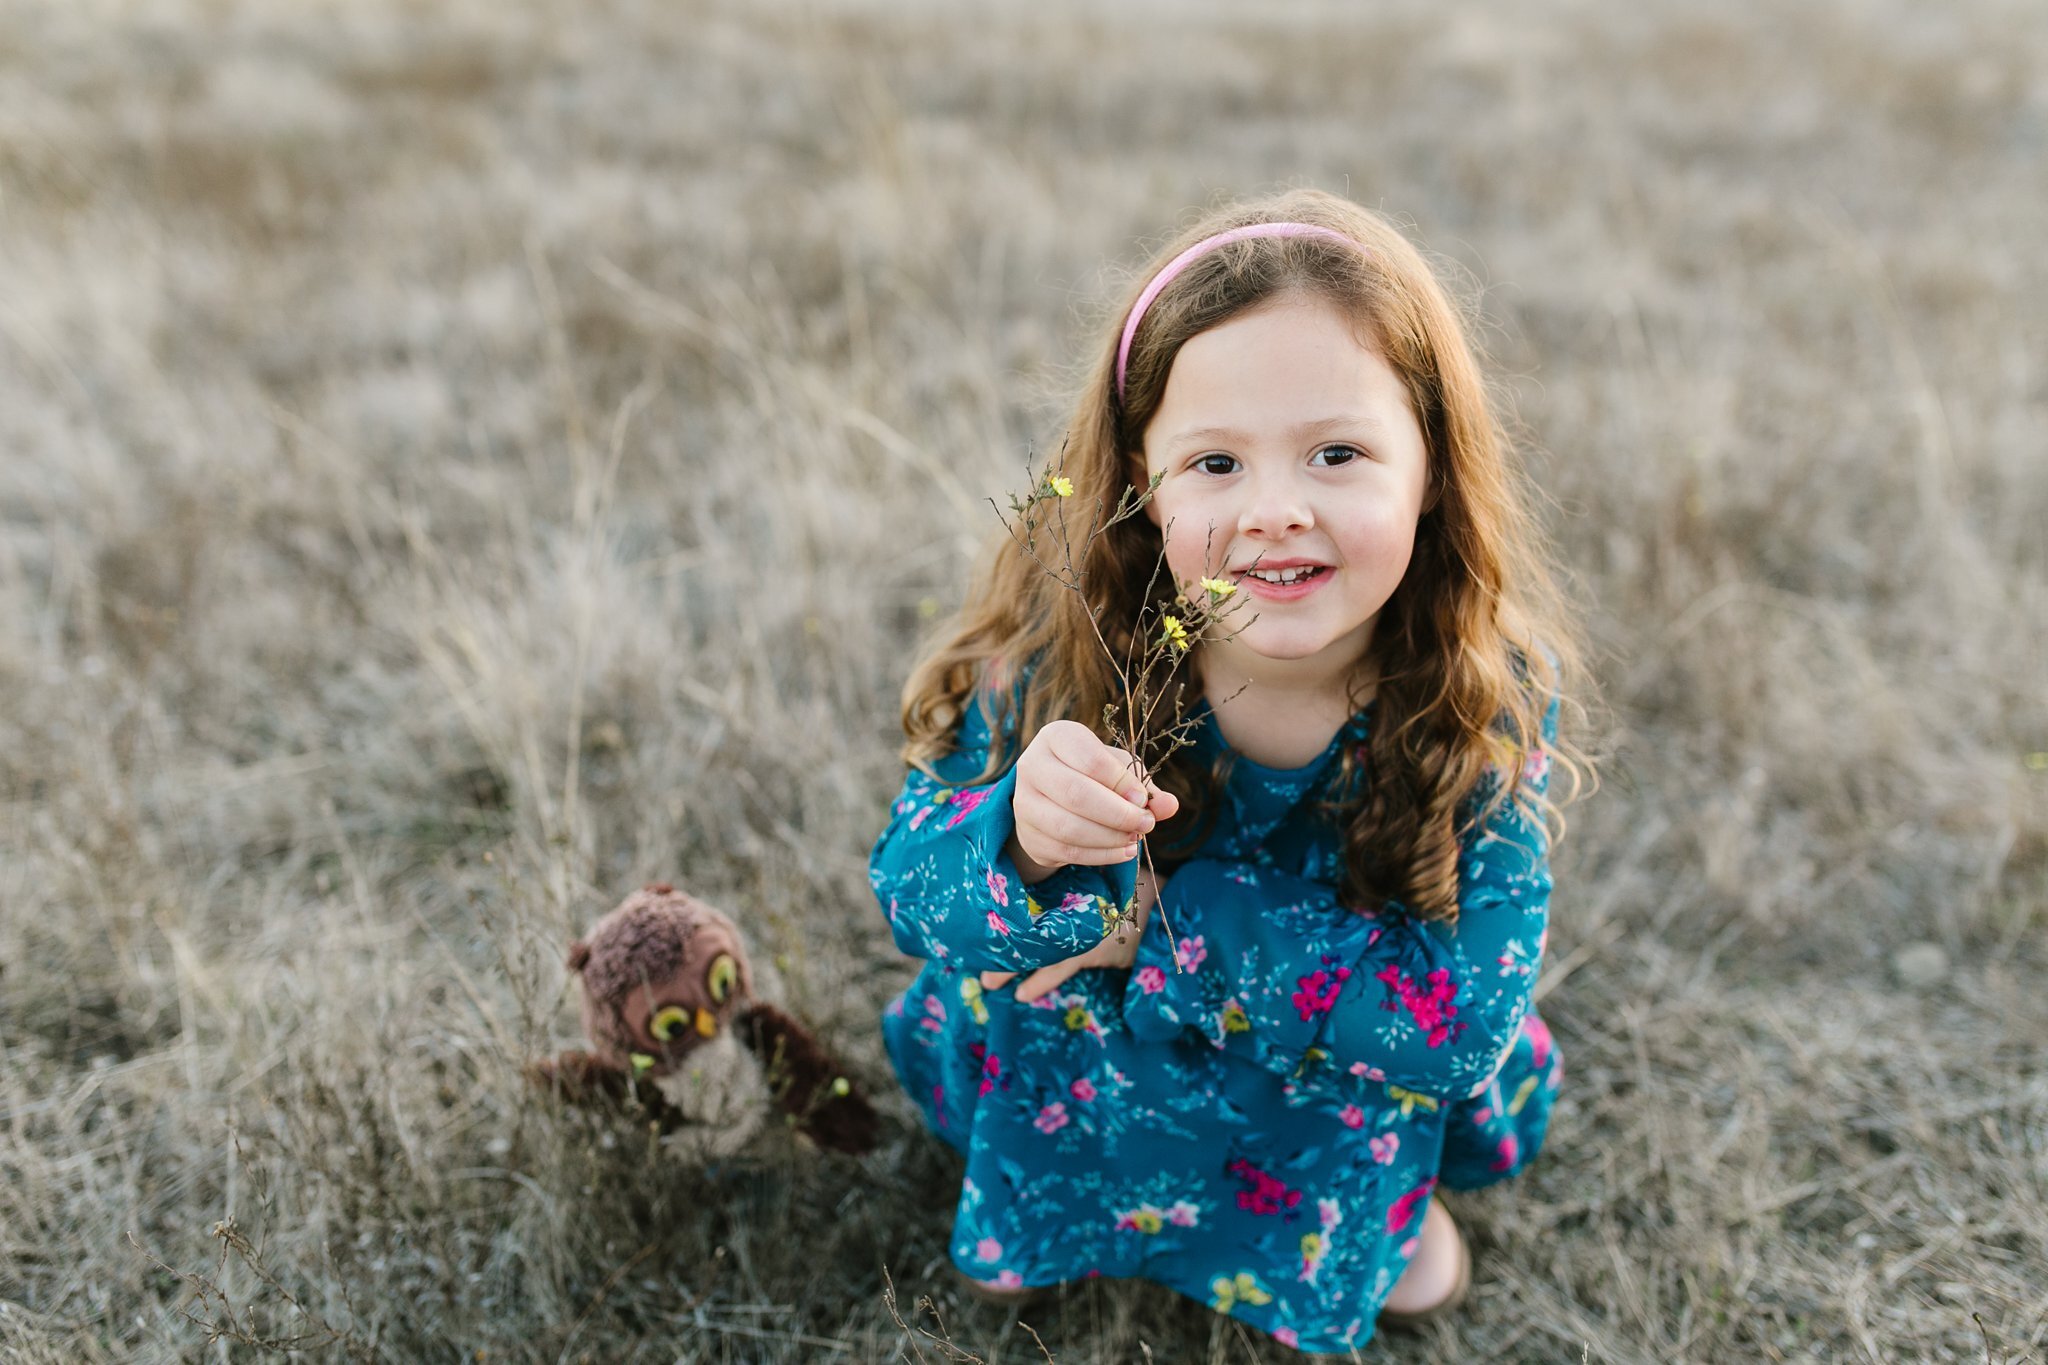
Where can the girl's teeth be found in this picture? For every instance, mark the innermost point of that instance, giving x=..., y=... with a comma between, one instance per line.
x=1281, y=576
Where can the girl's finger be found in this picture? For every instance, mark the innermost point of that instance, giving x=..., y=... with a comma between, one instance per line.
x=995, y=981
x=1080, y=750
x=1076, y=830
x=1046, y=979
x=1086, y=795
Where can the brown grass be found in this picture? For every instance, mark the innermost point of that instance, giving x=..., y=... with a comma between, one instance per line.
x=458, y=462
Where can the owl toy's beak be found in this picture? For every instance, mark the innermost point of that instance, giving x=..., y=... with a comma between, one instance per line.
x=707, y=1023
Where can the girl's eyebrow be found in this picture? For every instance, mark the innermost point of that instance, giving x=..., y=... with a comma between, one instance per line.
x=1370, y=426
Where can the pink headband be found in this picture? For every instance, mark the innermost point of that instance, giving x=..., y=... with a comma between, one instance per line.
x=1190, y=256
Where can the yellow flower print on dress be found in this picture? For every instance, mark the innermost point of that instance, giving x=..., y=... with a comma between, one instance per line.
x=1245, y=1288
x=1235, y=1020
x=970, y=996
x=1410, y=1101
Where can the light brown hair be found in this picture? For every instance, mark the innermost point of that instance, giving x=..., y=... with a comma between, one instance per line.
x=1468, y=652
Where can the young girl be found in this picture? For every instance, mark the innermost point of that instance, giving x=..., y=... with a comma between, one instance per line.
x=1250, y=1093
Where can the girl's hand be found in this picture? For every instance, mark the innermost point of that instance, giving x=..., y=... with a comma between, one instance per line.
x=1080, y=801
x=1120, y=949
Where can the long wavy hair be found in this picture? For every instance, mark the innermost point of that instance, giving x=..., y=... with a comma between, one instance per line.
x=1467, y=654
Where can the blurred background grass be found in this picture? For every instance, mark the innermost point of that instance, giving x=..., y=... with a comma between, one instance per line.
x=460, y=462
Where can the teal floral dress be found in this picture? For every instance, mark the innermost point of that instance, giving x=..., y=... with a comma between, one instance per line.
x=1257, y=1111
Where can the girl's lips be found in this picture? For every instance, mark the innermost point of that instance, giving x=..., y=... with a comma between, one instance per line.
x=1285, y=592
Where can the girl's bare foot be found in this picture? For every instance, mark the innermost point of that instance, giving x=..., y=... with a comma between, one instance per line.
x=1437, y=1278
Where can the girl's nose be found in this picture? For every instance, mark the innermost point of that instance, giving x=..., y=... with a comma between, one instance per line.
x=1277, y=507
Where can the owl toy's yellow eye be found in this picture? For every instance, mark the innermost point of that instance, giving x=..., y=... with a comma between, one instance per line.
x=667, y=1021
x=723, y=976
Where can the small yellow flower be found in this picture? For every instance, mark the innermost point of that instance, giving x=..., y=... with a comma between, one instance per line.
x=1078, y=1017
x=970, y=996
x=1311, y=1246
x=1061, y=485
x=1234, y=1018
x=1219, y=588
x=1146, y=1220
x=842, y=1086
x=1173, y=633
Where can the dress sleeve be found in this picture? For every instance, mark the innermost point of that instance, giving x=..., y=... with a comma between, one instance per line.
x=1273, y=968
x=950, y=889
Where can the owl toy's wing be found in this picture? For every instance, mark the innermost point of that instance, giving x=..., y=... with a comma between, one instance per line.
x=807, y=1084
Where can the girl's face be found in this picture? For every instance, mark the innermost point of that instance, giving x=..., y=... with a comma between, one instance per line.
x=1294, y=467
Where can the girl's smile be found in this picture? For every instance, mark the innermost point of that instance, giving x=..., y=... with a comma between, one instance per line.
x=1293, y=466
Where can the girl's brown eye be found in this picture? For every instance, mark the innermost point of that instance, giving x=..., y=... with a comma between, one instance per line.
x=723, y=976
x=667, y=1020
x=1217, y=464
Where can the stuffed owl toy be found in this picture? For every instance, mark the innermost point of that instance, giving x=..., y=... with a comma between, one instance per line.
x=674, y=1026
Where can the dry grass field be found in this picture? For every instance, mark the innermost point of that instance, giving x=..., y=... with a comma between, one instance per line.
x=460, y=461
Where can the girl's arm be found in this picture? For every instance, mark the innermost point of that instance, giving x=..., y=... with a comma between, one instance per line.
x=1277, y=971
x=951, y=889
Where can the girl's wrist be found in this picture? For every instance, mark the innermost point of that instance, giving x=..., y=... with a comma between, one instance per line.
x=1029, y=868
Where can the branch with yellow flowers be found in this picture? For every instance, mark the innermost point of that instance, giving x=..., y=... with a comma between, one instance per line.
x=1148, y=668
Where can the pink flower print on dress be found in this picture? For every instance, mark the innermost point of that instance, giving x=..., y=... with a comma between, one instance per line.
x=1434, y=1010
x=1082, y=1089
x=1191, y=952
x=1262, y=1193
x=1077, y=900
x=1182, y=1214
x=998, y=923
x=988, y=1249
x=1384, y=1146
x=1286, y=1337
x=991, y=1067
x=1009, y=1279
x=999, y=887
x=1051, y=1119
x=1317, y=993
x=1151, y=980
x=1403, y=1209
x=934, y=1014
x=1352, y=1116
x=1536, y=766
x=1504, y=1158
x=1371, y=1073
x=1539, y=1041
x=964, y=802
